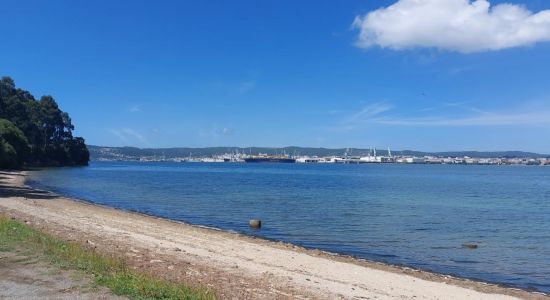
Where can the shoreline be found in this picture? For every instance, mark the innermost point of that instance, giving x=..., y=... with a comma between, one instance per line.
x=372, y=263
x=406, y=269
x=261, y=267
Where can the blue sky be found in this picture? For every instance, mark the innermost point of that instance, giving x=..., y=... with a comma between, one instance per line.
x=278, y=73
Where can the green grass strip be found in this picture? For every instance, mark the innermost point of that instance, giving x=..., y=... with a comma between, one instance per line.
x=108, y=271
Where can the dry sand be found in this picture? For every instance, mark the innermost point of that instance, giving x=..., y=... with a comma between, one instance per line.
x=232, y=265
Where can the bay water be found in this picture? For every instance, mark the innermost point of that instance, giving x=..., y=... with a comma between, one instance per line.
x=411, y=215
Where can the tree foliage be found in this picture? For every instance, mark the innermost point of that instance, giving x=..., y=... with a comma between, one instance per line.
x=38, y=131
x=8, y=156
x=15, y=146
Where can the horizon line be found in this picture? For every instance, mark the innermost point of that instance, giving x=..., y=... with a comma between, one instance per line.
x=327, y=148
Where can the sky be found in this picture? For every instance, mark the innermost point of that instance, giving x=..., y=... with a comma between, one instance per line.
x=431, y=75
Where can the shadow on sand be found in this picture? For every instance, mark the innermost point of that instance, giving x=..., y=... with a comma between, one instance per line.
x=9, y=190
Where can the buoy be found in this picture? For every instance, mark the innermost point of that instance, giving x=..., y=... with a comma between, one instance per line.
x=255, y=223
x=469, y=246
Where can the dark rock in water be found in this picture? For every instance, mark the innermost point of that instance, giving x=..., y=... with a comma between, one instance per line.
x=469, y=245
x=255, y=223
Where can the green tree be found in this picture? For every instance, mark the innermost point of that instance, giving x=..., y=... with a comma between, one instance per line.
x=78, y=152
x=8, y=156
x=48, y=130
x=51, y=120
x=14, y=143
x=7, y=87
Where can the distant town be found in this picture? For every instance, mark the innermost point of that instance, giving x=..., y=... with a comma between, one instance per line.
x=293, y=155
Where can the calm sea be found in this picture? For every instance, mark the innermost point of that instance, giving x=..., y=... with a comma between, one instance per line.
x=414, y=215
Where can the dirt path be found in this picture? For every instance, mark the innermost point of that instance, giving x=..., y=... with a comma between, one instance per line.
x=234, y=266
x=24, y=275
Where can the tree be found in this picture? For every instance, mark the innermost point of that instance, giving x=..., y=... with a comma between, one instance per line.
x=14, y=143
x=78, y=152
x=51, y=120
x=47, y=129
x=8, y=156
x=7, y=88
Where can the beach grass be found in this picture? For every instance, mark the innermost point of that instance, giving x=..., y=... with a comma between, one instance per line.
x=110, y=272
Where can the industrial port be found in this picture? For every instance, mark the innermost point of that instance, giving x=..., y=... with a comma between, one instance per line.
x=372, y=157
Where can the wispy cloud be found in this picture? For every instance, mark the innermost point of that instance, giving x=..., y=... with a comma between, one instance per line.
x=134, y=109
x=365, y=115
x=379, y=113
x=369, y=111
x=226, y=131
x=119, y=135
x=215, y=132
x=461, y=105
x=446, y=114
x=130, y=136
x=480, y=119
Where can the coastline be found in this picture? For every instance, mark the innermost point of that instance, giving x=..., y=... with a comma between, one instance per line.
x=232, y=264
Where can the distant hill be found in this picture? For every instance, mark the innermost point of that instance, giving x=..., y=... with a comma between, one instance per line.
x=133, y=153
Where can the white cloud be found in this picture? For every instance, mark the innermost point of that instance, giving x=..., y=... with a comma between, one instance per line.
x=456, y=25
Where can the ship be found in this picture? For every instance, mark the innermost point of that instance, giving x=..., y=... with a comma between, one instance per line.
x=269, y=159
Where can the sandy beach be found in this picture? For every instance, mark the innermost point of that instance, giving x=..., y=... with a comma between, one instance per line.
x=232, y=265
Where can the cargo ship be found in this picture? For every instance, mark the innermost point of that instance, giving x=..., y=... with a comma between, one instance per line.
x=269, y=159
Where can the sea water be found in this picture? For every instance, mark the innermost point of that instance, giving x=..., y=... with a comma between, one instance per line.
x=412, y=215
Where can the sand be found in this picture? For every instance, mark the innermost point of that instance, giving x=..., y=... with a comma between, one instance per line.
x=232, y=265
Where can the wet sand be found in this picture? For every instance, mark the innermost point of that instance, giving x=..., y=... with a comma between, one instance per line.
x=232, y=265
